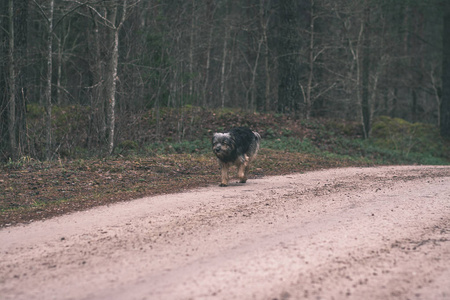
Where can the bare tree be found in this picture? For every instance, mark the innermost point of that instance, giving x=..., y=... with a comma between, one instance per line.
x=264, y=25
x=223, y=66
x=436, y=91
x=12, y=85
x=445, y=103
x=313, y=89
x=110, y=22
x=209, y=16
x=292, y=16
x=112, y=79
x=48, y=89
x=365, y=71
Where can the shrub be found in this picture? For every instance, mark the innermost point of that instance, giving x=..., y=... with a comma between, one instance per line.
x=400, y=135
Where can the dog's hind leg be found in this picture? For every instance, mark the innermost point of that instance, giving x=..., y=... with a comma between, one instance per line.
x=243, y=169
x=242, y=173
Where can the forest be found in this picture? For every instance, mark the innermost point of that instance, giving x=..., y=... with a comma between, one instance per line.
x=89, y=75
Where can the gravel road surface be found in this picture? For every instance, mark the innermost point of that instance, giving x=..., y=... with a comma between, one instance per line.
x=353, y=233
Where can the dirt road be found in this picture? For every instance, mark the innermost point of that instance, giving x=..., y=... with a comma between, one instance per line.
x=357, y=233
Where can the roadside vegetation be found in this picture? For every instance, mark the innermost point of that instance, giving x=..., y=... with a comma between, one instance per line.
x=161, y=156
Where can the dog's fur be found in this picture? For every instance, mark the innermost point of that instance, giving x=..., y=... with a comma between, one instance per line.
x=237, y=147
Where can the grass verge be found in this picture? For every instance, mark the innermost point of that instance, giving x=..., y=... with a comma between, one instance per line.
x=33, y=190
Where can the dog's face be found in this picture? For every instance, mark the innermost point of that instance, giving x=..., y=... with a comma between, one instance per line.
x=223, y=145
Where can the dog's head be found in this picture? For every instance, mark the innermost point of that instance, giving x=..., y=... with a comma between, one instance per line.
x=223, y=145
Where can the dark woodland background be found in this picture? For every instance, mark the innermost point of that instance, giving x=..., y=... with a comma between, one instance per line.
x=93, y=74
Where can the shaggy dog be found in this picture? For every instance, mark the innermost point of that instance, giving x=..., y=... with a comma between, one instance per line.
x=236, y=147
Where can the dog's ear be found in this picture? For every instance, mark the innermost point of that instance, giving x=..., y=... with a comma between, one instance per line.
x=214, y=137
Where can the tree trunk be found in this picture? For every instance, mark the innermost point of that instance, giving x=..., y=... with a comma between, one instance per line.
x=59, y=73
x=12, y=86
x=48, y=90
x=437, y=95
x=445, y=102
x=251, y=92
x=191, y=53
x=308, y=100
x=21, y=70
x=113, y=64
x=112, y=85
x=264, y=22
x=292, y=20
x=210, y=8
x=97, y=119
x=222, y=69
x=365, y=105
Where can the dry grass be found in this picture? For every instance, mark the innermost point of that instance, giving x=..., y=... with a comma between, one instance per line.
x=36, y=191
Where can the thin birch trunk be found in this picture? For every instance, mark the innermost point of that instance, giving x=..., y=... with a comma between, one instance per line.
x=113, y=77
x=98, y=103
x=222, y=72
x=365, y=94
x=308, y=100
x=251, y=90
x=48, y=90
x=264, y=24
x=111, y=89
x=59, y=73
x=437, y=97
x=208, y=65
x=191, y=52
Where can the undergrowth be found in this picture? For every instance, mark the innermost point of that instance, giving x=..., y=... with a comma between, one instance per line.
x=31, y=189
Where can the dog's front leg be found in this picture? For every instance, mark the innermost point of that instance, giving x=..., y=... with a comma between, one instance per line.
x=224, y=167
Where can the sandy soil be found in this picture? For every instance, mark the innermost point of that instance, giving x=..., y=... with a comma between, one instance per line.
x=355, y=233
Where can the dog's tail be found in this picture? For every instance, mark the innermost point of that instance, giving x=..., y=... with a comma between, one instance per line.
x=257, y=141
x=257, y=136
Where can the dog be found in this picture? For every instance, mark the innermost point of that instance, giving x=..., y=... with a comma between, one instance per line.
x=238, y=147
